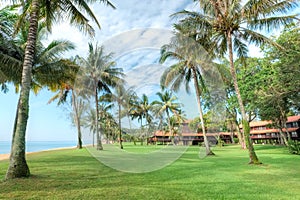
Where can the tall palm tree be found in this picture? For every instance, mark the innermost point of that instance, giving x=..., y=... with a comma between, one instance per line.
x=142, y=109
x=51, y=11
x=187, y=69
x=107, y=123
x=167, y=104
x=99, y=74
x=231, y=24
x=122, y=97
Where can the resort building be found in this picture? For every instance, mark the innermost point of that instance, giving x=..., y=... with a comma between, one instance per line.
x=260, y=132
x=264, y=132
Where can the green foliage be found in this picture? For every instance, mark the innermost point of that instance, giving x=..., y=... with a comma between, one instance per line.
x=236, y=140
x=294, y=147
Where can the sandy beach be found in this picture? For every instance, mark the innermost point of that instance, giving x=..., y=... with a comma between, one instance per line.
x=6, y=156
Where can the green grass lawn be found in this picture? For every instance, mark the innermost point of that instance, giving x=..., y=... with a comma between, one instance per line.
x=74, y=174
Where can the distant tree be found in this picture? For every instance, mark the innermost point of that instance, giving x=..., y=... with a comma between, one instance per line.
x=167, y=104
x=186, y=70
x=98, y=75
x=122, y=97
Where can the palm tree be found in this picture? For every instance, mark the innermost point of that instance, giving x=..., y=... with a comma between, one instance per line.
x=98, y=75
x=141, y=109
x=51, y=11
x=231, y=24
x=187, y=69
x=49, y=69
x=122, y=97
x=167, y=104
x=10, y=53
x=107, y=123
x=89, y=122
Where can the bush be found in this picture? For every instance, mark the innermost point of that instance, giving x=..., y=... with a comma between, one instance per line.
x=294, y=147
x=236, y=140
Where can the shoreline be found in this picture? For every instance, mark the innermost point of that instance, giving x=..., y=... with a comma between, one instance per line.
x=6, y=156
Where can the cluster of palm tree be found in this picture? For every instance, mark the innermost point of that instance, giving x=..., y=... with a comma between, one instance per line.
x=219, y=28
x=26, y=62
x=222, y=27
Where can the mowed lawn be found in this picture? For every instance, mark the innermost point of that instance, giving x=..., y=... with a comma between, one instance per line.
x=74, y=174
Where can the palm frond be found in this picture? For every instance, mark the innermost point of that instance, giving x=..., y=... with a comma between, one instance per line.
x=257, y=38
x=77, y=18
x=55, y=50
x=271, y=22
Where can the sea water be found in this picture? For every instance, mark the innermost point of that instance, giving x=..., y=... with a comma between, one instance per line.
x=33, y=146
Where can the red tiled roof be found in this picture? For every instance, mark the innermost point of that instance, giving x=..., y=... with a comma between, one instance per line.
x=260, y=123
x=293, y=118
x=162, y=133
x=272, y=131
x=266, y=122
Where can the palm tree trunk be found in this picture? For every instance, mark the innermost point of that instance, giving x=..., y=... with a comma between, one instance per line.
x=246, y=126
x=98, y=137
x=282, y=135
x=120, y=131
x=18, y=166
x=240, y=134
x=77, y=120
x=231, y=132
x=206, y=143
x=170, y=127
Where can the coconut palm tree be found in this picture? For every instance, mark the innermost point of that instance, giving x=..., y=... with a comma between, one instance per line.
x=99, y=74
x=232, y=24
x=51, y=11
x=167, y=104
x=142, y=109
x=185, y=71
x=10, y=53
x=122, y=97
x=107, y=122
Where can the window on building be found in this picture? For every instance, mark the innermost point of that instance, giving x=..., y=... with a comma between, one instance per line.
x=273, y=134
x=289, y=125
x=294, y=134
x=295, y=124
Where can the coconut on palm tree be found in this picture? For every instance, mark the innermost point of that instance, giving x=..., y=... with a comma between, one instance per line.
x=231, y=25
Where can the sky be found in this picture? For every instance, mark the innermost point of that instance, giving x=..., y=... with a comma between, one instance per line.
x=122, y=27
x=48, y=122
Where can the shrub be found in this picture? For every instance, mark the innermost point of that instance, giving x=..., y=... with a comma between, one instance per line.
x=294, y=147
x=236, y=140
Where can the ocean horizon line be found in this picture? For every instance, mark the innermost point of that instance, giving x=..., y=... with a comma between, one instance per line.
x=36, y=146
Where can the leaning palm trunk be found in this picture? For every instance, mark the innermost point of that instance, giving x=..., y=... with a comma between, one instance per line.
x=98, y=136
x=18, y=166
x=246, y=126
x=206, y=143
